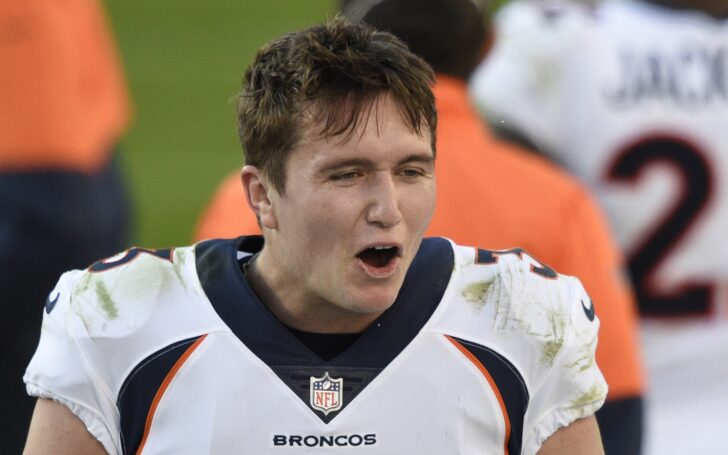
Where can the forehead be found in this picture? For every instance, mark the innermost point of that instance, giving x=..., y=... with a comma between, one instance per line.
x=380, y=126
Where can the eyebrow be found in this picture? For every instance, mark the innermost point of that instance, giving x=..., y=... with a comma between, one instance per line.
x=365, y=163
x=423, y=158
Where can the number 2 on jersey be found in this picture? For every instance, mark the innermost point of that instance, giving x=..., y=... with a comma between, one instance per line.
x=658, y=244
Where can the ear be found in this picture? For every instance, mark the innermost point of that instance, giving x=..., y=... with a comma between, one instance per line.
x=256, y=193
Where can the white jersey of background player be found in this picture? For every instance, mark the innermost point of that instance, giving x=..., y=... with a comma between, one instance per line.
x=172, y=352
x=632, y=97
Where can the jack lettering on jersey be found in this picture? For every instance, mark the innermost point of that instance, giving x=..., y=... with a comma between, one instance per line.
x=692, y=75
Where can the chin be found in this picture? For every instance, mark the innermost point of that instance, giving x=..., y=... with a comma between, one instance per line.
x=373, y=302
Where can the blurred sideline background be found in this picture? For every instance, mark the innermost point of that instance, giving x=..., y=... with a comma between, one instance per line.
x=184, y=61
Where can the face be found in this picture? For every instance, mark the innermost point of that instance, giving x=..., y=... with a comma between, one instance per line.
x=340, y=241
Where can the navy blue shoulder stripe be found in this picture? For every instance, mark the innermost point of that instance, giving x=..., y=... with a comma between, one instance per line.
x=139, y=388
x=510, y=384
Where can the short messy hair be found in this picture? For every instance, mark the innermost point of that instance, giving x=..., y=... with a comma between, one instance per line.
x=328, y=74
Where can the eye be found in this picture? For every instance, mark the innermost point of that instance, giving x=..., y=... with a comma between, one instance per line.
x=345, y=176
x=412, y=172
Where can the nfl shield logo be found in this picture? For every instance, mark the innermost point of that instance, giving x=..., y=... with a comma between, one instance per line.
x=326, y=393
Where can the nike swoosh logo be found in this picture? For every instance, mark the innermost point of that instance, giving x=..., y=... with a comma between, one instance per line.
x=51, y=303
x=589, y=312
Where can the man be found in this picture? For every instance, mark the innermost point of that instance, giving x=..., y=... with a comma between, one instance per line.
x=490, y=193
x=340, y=329
x=63, y=201
x=631, y=97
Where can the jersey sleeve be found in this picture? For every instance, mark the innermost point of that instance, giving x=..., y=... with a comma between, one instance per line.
x=519, y=87
x=573, y=387
x=61, y=369
x=596, y=260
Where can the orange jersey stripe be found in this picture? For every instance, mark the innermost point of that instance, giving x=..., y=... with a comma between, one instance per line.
x=493, y=387
x=163, y=388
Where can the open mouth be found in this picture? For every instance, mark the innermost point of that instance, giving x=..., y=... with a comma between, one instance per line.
x=378, y=256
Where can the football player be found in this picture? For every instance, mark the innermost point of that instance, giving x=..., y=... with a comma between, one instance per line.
x=493, y=194
x=632, y=97
x=339, y=330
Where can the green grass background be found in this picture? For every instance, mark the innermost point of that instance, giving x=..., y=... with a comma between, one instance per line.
x=184, y=61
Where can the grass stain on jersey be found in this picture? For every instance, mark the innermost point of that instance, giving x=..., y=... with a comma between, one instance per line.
x=555, y=339
x=178, y=263
x=83, y=284
x=476, y=293
x=591, y=396
x=586, y=359
x=106, y=303
x=550, y=351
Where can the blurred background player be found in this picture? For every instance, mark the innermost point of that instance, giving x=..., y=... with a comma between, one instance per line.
x=632, y=97
x=63, y=106
x=494, y=194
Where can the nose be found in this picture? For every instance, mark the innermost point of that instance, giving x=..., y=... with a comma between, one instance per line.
x=383, y=209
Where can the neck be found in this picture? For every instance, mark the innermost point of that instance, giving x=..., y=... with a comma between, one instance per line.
x=299, y=311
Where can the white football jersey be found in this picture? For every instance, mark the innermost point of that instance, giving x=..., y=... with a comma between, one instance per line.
x=170, y=351
x=633, y=99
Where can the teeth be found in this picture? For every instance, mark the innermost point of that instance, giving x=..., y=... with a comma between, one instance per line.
x=378, y=247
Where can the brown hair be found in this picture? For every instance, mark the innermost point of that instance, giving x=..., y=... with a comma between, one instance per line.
x=328, y=74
